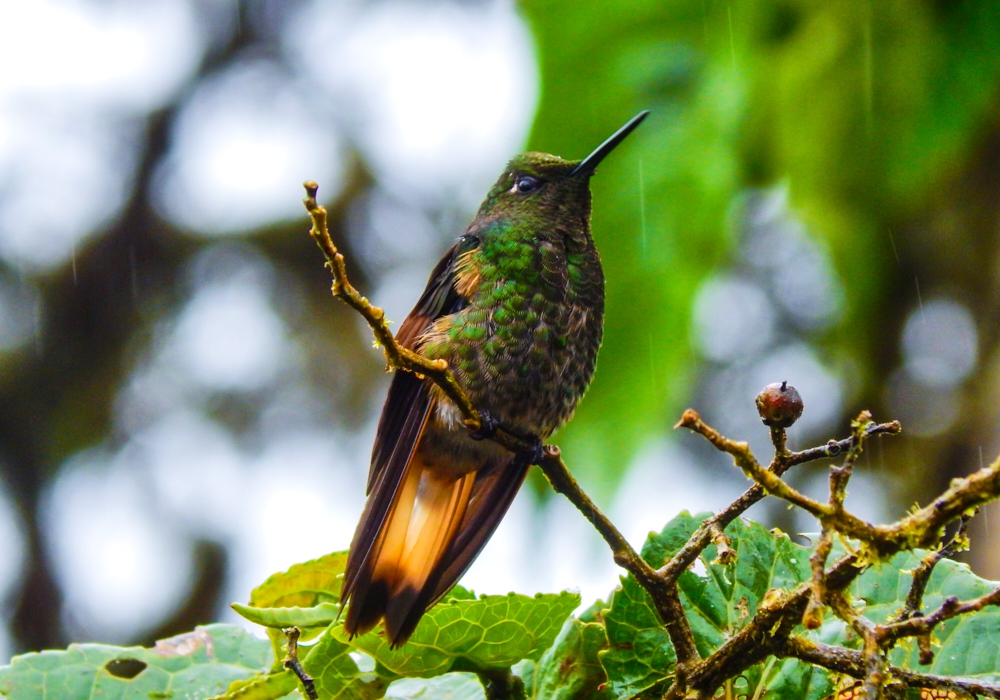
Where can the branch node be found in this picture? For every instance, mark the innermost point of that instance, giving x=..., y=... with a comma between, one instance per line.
x=724, y=552
x=924, y=648
x=311, y=189
x=293, y=664
x=689, y=419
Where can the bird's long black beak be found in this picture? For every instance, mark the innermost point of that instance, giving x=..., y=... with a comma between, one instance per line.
x=590, y=163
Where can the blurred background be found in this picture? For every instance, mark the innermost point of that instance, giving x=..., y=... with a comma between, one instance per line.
x=184, y=409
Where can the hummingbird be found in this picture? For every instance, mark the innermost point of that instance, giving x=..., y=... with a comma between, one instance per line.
x=516, y=308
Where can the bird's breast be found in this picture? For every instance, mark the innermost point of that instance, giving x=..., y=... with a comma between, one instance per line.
x=525, y=347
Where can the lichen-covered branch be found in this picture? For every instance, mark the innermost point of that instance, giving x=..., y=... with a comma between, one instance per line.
x=783, y=461
x=851, y=663
x=922, y=528
x=873, y=657
x=839, y=476
x=923, y=625
x=835, y=448
x=767, y=631
x=922, y=574
x=812, y=618
x=773, y=623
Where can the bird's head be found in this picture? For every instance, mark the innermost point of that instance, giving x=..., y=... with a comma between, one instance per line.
x=540, y=183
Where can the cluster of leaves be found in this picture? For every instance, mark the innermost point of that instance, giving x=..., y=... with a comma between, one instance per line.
x=517, y=646
x=724, y=598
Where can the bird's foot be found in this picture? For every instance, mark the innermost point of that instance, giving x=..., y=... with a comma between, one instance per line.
x=487, y=426
x=533, y=454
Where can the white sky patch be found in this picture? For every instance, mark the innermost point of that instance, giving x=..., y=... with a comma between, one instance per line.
x=733, y=318
x=229, y=337
x=242, y=146
x=196, y=471
x=303, y=496
x=78, y=78
x=130, y=55
x=63, y=176
x=440, y=94
x=940, y=343
x=121, y=568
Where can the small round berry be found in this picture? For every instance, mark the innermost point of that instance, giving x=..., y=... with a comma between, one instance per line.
x=779, y=405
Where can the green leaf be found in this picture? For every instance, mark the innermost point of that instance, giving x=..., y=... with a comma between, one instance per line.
x=303, y=585
x=317, y=616
x=267, y=687
x=450, y=686
x=191, y=666
x=459, y=593
x=640, y=657
x=336, y=674
x=570, y=669
x=722, y=600
x=968, y=645
x=490, y=632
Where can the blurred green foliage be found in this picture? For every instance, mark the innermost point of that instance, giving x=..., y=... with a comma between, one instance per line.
x=864, y=110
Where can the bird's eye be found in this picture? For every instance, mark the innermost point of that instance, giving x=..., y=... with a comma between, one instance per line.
x=526, y=184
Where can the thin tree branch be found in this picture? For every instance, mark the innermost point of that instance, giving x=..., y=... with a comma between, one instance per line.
x=837, y=447
x=783, y=461
x=724, y=553
x=766, y=632
x=921, y=528
x=923, y=625
x=293, y=664
x=872, y=657
x=851, y=663
x=397, y=356
x=922, y=574
x=839, y=476
x=665, y=598
x=812, y=618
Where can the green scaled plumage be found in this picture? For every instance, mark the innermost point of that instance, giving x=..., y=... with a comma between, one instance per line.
x=516, y=308
x=525, y=346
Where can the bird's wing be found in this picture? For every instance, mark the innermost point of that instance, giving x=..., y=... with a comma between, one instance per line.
x=408, y=394
x=404, y=413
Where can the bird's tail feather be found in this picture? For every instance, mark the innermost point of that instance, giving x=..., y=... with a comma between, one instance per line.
x=425, y=515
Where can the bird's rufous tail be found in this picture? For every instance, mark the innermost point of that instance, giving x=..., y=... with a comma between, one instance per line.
x=423, y=519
